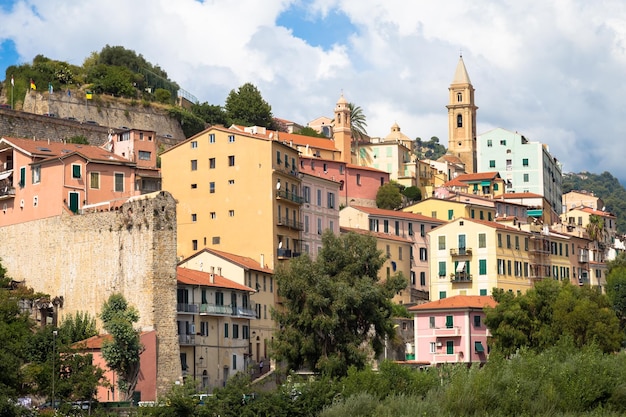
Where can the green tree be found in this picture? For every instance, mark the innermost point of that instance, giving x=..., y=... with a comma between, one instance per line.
x=162, y=95
x=190, y=123
x=246, y=107
x=616, y=287
x=412, y=194
x=389, y=196
x=78, y=139
x=118, y=81
x=122, y=352
x=336, y=311
x=549, y=312
x=309, y=131
x=358, y=124
x=78, y=327
x=210, y=113
x=595, y=229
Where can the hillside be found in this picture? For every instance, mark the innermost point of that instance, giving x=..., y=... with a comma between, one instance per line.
x=605, y=186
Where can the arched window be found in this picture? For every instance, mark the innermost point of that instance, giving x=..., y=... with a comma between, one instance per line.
x=459, y=97
x=459, y=120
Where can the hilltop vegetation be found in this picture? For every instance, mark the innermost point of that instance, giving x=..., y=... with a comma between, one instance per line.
x=605, y=186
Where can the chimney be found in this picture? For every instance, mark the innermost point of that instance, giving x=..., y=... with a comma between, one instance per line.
x=262, y=260
x=219, y=271
x=212, y=278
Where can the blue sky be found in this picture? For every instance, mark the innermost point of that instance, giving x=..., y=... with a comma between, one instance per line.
x=552, y=71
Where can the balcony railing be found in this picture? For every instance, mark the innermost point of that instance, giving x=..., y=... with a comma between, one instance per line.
x=293, y=224
x=288, y=195
x=7, y=191
x=460, y=251
x=446, y=331
x=187, y=308
x=583, y=258
x=187, y=339
x=283, y=253
x=446, y=358
x=215, y=309
x=461, y=277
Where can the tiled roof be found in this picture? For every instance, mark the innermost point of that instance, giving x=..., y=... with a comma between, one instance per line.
x=519, y=195
x=451, y=159
x=45, y=149
x=193, y=277
x=456, y=302
x=594, y=211
x=394, y=213
x=377, y=235
x=94, y=342
x=494, y=224
x=242, y=261
x=456, y=182
x=352, y=166
x=479, y=176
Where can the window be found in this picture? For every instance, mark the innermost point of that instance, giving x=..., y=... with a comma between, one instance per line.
x=482, y=267
x=144, y=155
x=213, y=215
x=449, y=322
x=459, y=97
x=516, y=242
x=306, y=190
x=278, y=159
x=503, y=142
x=194, y=144
x=212, y=138
x=225, y=330
x=341, y=168
x=396, y=228
x=482, y=240
x=331, y=200
x=410, y=226
x=489, y=143
x=442, y=242
x=442, y=294
x=36, y=170
x=459, y=120
x=450, y=214
x=22, y=182
x=492, y=163
x=194, y=244
x=423, y=231
x=319, y=226
x=204, y=328
x=194, y=217
x=477, y=321
x=235, y=329
x=423, y=278
x=423, y=254
x=431, y=321
x=358, y=179
x=508, y=241
x=75, y=171
x=94, y=180
x=194, y=186
x=525, y=162
x=483, y=292
x=119, y=182
x=525, y=177
x=231, y=138
x=450, y=347
x=231, y=160
x=194, y=164
x=499, y=240
x=433, y=347
x=400, y=253
x=319, y=198
x=211, y=163
x=385, y=226
x=245, y=332
x=231, y=182
x=212, y=187
x=215, y=240
x=442, y=268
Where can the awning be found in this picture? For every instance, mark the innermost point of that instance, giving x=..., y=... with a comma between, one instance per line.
x=485, y=183
x=5, y=174
x=479, y=347
x=460, y=267
x=535, y=213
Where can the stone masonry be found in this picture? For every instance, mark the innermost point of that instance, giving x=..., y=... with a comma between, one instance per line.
x=86, y=258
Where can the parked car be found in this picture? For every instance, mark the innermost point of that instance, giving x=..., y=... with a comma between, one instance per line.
x=92, y=122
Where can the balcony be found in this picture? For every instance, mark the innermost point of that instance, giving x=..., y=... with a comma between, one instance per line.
x=446, y=358
x=222, y=310
x=7, y=192
x=446, y=331
x=290, y=223
x=187, y=339
x=187, y=308
x=289, y=196
x=583, y=258
x=460, y=277
x=283, y=253
x=460, y=251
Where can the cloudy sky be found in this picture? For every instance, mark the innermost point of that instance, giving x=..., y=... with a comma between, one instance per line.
x=551, y=70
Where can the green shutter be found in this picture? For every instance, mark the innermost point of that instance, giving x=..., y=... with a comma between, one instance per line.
x=483, y=292
x=449, y=322
x=478, y=347
x=75, y=171
x=450, y=214
x=22, y=177
x=442, y=294
x=482, y=267
x=450, y=347
x=442, y=268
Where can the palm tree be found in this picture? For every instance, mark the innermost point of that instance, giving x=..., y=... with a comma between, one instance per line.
x=595, y=229
x=357, y=123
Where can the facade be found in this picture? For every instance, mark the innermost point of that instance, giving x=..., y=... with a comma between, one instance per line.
x=323, y=125
x=413, y=227
x=231, y=184
x=397, y=250
x=452, y=330
x=471, y=257
x=537, y=207
x=581, y=198
x=525, y=166
x=245, y=271
x=449, y=207
x=214, y=315
x=485, y=184
x=320, y=211
x=40, y=179
x=462, y=119
x=358, y=185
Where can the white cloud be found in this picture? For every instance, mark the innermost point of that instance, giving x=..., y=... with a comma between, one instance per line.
x=550, y=70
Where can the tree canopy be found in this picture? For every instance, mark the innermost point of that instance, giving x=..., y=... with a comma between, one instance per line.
x=336, y=311
x=122, y=352
x=245, y=106
x=389, y=196
x=358, y=124
x=549, y=312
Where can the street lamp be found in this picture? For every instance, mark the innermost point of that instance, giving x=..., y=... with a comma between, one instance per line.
x=54, y=342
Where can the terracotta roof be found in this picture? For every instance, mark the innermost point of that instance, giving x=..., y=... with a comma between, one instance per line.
x=242, y=261
x=455, y=183
x=457, y=302
x=193, y=277
x=519, y=195
x=46, y=150
x=377, y=235
x=479, y=176
x=594, y=211
x=495, y=225
x=451, y=159
x=94, y=342
x=394, y=213
x=352, y=166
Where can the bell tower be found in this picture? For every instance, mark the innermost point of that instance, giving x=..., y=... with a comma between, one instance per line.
x=462, y=118
x=341, y=130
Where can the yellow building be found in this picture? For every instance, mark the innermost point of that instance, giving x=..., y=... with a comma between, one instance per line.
x=471, y=257
x=447, y=210
x=397, y=250
x=237, y=192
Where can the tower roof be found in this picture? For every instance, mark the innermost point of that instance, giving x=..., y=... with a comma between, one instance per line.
x=460, y=75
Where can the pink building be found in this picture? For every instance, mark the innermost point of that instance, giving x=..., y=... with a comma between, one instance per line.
x=40, y=179
x=146, y=384
x=358, y=185
x=452, y=330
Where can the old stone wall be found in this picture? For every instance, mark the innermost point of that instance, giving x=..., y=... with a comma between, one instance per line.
x=86, y=258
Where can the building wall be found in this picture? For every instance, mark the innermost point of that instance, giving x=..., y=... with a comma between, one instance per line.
x=320, y=211
x=86, y=258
